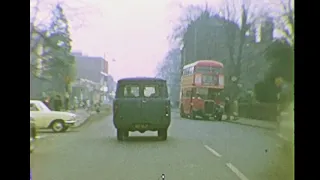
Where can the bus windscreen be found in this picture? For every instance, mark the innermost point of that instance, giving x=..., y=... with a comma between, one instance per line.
x=208, y=69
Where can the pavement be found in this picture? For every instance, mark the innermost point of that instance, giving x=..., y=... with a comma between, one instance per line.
x=82, y=115
x=270, y=125
x=195, y=149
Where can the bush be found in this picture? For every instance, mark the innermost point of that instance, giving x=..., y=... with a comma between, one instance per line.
x=266, y=91
x=260, y=111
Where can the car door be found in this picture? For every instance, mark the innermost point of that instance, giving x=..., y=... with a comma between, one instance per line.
x=153, y=103
x=39, y=117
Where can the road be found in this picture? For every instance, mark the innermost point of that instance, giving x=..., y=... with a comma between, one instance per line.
x=194, y=150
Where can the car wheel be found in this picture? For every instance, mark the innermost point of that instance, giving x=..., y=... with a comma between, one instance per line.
x=163, y=134
x=122, y=134
x=58, y=126
x=65, y=128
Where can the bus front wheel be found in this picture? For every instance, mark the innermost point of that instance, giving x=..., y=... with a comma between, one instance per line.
x=193, y=114
x=182, y=112
x=207, y=118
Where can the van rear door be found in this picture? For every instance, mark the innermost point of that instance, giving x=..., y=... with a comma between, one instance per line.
x=128, y=103
x=155, y=103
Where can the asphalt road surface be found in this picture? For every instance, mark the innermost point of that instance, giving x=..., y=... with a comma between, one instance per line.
x=195, y=149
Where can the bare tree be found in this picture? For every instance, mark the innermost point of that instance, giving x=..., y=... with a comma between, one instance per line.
x=170, y=66
x=239, y=19
x=189, y=15
x=285, y=22
x=40, y=13
x=169, y=69
x=237, y=24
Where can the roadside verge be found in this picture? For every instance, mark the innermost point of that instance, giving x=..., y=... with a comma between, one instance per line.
x=269, y=125
x=85, y=117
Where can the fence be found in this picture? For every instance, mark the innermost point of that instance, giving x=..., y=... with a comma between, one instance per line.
x=260, y=111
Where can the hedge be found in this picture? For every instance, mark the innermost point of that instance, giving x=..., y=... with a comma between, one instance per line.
x=260, y=111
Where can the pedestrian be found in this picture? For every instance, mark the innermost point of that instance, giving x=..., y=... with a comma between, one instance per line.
x=66, y=101
x=88, y=105
x=236, y=109
x=76, y=103
x=57, y=103
x=227, y=108
x=46, y=101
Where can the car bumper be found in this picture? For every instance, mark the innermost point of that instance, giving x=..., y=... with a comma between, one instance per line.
x=70, y=122
x=141, y=126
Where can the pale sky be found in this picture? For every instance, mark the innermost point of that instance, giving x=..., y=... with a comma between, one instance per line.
x=133, y=32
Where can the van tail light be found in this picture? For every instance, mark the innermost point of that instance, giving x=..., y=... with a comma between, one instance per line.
x=115, y=108
x=167, y=108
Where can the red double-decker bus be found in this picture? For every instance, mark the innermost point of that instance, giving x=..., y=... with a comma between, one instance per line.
x=201, y=84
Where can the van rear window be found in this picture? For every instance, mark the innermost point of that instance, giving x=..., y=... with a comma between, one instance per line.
x=155, y=90
x=129, y=91
x=145, y=89
x=151, y=91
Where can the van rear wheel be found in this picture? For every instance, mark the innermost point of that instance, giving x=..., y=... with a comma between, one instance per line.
x=193, y=115
x=163, y=134
x=122, y=134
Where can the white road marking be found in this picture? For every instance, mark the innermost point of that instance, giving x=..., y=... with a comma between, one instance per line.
x=40, y=137
x=278, y=146
x=212, y=151
x=282, y=137
x=236, y=171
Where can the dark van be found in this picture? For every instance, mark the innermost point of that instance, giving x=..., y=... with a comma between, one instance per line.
x=141, y=104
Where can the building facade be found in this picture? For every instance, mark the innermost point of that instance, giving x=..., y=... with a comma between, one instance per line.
x=92, y=77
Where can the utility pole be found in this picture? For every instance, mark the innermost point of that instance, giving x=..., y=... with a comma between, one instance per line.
x=195, y=43
x=182, y=57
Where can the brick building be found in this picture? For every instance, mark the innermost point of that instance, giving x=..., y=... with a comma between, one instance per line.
x=92, y=76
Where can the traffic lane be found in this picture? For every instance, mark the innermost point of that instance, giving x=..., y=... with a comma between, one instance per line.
x=94, y=153
x=46, y=133
x=254, y=151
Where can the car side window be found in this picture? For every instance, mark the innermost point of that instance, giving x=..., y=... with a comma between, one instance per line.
x=151, y=91
x=33, y=107
x=131, y=91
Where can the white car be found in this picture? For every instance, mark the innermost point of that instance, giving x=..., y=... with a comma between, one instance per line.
x=44, y=118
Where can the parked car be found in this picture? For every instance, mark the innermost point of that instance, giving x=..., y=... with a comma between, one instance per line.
x=44, y=118
x=141, y=104
x=33, y=133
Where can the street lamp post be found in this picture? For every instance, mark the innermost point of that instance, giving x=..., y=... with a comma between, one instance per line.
x=182, y=57
x=105, y=74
